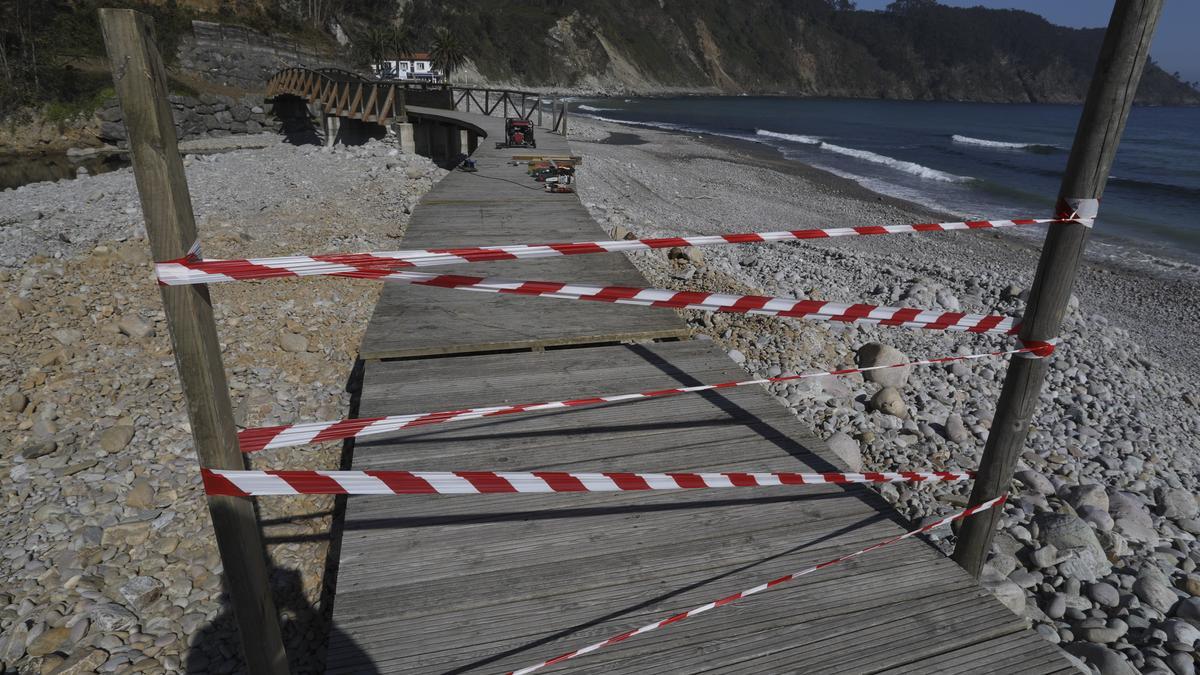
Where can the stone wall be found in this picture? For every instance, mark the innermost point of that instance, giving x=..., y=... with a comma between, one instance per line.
x=206, y=116
x=239, y=57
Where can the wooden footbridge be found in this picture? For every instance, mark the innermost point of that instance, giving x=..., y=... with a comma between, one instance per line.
x=492, y=583
x=497, y=582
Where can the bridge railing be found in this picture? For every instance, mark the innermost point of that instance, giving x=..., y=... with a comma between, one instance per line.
x=343, y=93
x=348, y=94
x=528, y=105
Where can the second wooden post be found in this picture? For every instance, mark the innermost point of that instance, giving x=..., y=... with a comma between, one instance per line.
x=1110, y=98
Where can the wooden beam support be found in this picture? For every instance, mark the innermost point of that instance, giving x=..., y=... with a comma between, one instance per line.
x=356, y=111
x=1110, y=98
x=141, y=84
x=389, y=104
x=370, y=114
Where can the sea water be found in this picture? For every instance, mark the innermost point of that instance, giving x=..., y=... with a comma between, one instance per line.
x=973, y=160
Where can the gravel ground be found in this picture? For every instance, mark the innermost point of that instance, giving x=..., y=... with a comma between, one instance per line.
x=107, y=559
x=1098, y=547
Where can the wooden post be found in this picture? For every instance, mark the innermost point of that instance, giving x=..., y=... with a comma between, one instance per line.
x=539, y=107
x=141, y=85
x=1110, y=97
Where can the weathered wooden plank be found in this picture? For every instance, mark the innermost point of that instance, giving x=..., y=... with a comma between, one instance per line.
x=1019, y=652
x=486, y=583
x=498, y=205
x=438, y=583
x=625, y=608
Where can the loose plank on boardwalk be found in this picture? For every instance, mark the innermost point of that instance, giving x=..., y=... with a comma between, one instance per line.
x=444, y=584
x=502, y=205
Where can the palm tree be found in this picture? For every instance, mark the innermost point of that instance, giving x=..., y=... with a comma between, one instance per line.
x=448, y=54
x=400, y=43
x=375, y=46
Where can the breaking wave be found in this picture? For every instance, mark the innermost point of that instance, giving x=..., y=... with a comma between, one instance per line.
x=866, y=156
x=795, y=138
x=897, y=164
x=1002, y=145
x=583, y=106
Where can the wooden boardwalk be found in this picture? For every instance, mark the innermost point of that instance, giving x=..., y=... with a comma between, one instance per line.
x=445, y=584
x=501, y=205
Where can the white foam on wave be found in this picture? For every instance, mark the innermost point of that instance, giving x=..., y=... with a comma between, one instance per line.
x=795, y=138
x=891, y=189
x=985, y=143
x=584, y=106
x=668, y=126
x=897, y=164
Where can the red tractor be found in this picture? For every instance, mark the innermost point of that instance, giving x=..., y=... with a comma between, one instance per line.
x=518, y=133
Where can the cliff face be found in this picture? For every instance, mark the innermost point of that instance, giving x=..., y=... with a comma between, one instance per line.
x=802, y=47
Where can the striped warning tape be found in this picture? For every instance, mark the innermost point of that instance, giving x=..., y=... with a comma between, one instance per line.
x=281, y=436
x=194, y=270
x=763, y=305
x=757, y=589
x=260, y=483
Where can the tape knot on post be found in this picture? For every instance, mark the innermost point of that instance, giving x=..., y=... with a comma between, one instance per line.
x=1082, y=211
x=1038, y=349
x=167, y=272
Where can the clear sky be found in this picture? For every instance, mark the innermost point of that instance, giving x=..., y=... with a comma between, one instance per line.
x=1176, y=47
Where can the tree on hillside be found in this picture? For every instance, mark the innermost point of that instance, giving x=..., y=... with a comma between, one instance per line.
x=906, y=6
x=448, y=53
x=373, y=47
x=400, y=41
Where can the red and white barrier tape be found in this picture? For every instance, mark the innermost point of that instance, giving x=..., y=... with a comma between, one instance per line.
x=193, y=270
x=710, y=302
x=1036, y=349
x=260, y=483
x=281, y=436
x=1081, y=210
x=757, y=589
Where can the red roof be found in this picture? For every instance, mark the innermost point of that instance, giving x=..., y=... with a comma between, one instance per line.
x=418, y=56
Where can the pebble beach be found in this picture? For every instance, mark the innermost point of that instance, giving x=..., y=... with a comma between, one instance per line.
x=107, y=557
x=107, y=561
x=1098, y=544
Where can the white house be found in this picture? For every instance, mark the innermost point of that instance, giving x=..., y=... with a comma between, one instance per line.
x=416, y=66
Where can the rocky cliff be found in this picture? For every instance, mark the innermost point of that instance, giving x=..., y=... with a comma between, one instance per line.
x=799, y=47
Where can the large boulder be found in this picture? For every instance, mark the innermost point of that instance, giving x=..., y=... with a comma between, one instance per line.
x=1154, y=590
x=1035, y=481
x=1132, y=518
x=1006, y=591
x=1189, y=610
x=875, y=354
x=1176, y=503
x=1107, y=661
x=1088, y=494
x=846, y=449
x=1082, y=555
x=889, y=402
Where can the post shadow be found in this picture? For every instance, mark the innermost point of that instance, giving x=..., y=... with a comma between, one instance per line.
x=301, y=623
x=218, y=644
